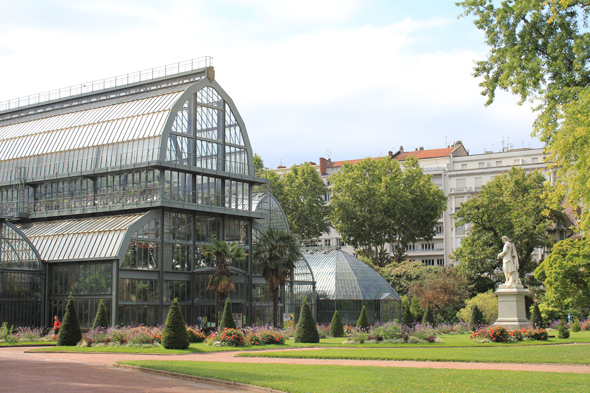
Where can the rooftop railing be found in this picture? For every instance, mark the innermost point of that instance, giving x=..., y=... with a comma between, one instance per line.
x=108, y=83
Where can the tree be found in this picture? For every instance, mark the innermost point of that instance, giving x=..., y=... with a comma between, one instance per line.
x=227, y=320
x=224, y=254
x=440, y=291
x=258, y=165
x=428, y=317
x=70, y=333
x=402, y=276
x=363, y=321
x=476, y=318
x=377, y=201
x=536, y=317
x=512, y=205
x=336, y=326
x=276, y=253
x=306, y=330
x=175, y=334
x=101, y=320
x=407, y=316
x=486, y=302
x=566, y=276
x=562, y=330
x=540, y=51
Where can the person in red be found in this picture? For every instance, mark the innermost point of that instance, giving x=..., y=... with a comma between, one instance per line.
x=56, y=327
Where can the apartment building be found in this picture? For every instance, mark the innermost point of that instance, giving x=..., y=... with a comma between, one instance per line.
x=456, y=172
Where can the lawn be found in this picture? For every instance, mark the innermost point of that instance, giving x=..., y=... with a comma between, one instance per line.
x=344, y=379
x=567, y=354
x=28, y=344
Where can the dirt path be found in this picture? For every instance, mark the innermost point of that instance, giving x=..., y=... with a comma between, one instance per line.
x=107, y=359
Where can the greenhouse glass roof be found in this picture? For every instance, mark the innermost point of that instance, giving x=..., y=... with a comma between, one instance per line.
x=85, y=238
x=339, y=275
x=265, y=202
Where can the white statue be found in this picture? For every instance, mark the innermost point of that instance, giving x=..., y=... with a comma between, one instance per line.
x=510, y=262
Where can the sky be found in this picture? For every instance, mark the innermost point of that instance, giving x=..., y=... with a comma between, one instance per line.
x=340, y=79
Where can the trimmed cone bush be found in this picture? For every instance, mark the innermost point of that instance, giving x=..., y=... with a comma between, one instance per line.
x=363, y=321
x=307, y=330
x=101, y=320
x=477, y=319
x=227, y=320
x=336, y=326
x=562, y=330
x=428, y=317
x=70, y=334
x=576, y=327
x=407, y=316
x=175, y=335
x=536, y=317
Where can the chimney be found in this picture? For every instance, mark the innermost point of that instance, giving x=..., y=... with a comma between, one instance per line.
x=390, y=154
x=421, y=147
x=401, y=149
x=323, y=166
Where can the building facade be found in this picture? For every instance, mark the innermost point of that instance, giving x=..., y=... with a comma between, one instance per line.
x=108, y=189
x=456, y=172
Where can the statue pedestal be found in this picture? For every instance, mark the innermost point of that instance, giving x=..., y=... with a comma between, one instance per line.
x=511, y=308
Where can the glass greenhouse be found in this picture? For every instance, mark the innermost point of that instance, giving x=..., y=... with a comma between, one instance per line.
x=346, y=284
x=108, y=189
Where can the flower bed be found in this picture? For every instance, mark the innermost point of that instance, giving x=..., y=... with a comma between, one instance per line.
x=227, y=338
x=500, y=334
x=21, y=334
x=131, y=336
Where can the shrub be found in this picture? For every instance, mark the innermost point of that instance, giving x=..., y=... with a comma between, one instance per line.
x=428, y=317
x=307, y=331
x=227, y=337
x=586, y=325
x=323, y=331
x=266, y=337
x=562, y=330
x=227, y=320
x=175, y=335
x=336, y=326
x=195, y=335
x=536, y=317
x=363, y=321
x=29, y=334
x=486, y=302
x=424, y=332
x=535, y=334
x=576, y=327
x=101, y=320
x=6, y=334
x=494, y=334
x=476, y=320
x=407, y=317
x=69, y=333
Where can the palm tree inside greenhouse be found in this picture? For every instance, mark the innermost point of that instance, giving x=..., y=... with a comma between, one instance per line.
x=276, y=253
x=225, y=254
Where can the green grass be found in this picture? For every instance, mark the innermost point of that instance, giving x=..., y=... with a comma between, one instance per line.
x=344, y=379
x=28, y=343
x=567, y=354
x=193, y=348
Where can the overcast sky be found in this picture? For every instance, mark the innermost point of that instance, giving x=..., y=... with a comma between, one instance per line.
x=343, y=79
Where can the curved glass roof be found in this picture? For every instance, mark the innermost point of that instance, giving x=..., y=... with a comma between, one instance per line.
x=84, y=238
x=339, y=275
x=16, y=252
x=275, y=216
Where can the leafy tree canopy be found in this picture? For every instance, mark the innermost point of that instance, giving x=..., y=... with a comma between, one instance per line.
x=540, y=51
x=402, y=276
x=258, y=164
x=566, y=275
x=513, y=205
x=439, y=291
x=377, y=201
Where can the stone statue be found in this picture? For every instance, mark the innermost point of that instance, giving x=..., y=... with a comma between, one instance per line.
x=510, y=263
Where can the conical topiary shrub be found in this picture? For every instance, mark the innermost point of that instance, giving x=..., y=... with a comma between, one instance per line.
x=101, y=321
x=428, y=317
x=476, y=320
x=562, y=330
x=227, y=320
x=336, y=326
x=576, y=327
x=407, y=316
x=536, y=317
x=363, y=321
x=175, y=335
x=306, y=331
x=70, y=334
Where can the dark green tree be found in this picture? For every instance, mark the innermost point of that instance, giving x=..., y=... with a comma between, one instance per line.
x=512, y=205
x=407, y=317
x=416, y=309
x=225, y=254
x=540, y=51
x=101, y=320
x=428, y=317
x=402, y=276
x=336, y=326
x=562, y=330
x=576, y=327
x=175, y=335
x=276, y=253
x=363, y=321
x=227, y=320
x=536, y=317
x=307, y=330
x=376, y=202
x=70, y=333
x=477, y=319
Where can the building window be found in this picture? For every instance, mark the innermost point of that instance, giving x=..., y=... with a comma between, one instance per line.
x=461, y=184
x=439, y=229
x=463, y=166
x=481, y=165
x=535, y=160
x=428, y=262
x=498, y=163
x=440, y=261
x=477, y=182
